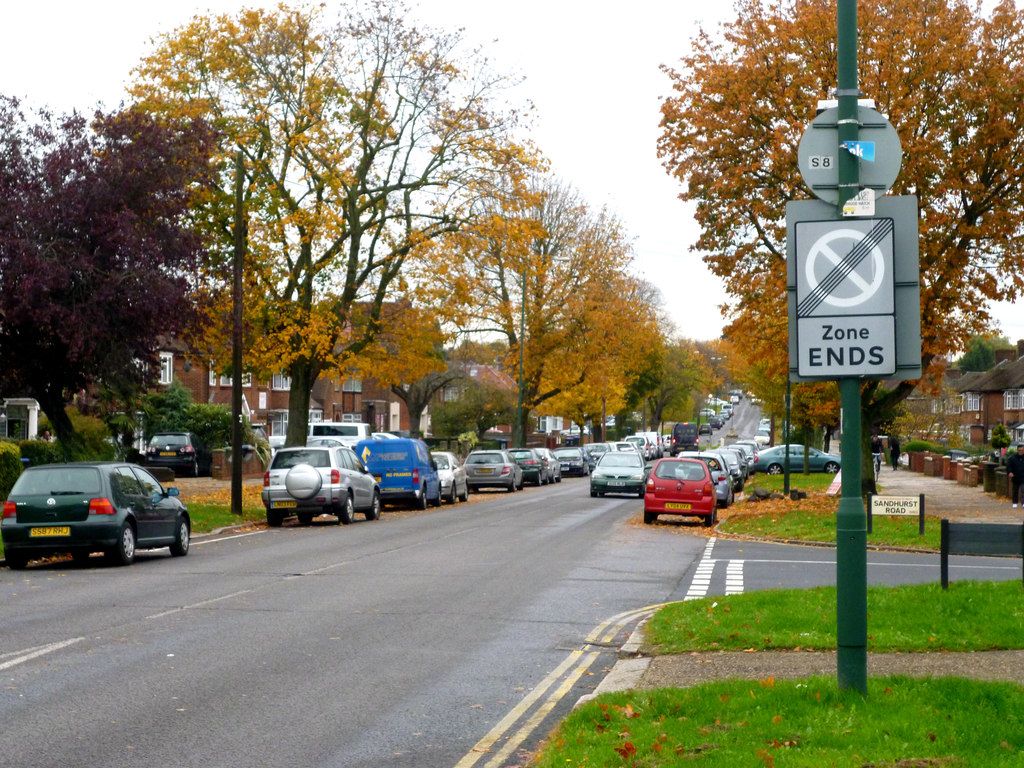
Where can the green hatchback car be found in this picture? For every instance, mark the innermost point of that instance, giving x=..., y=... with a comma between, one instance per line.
x=619, y=472
x=84, y=507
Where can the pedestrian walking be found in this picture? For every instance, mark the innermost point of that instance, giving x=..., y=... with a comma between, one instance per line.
x=1015, y=469
x=894, y=451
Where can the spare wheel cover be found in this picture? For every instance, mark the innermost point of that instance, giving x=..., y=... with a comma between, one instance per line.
x=303, y=481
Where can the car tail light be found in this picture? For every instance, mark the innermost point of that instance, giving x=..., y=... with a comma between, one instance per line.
x=709, y=488
x=101, y=506
x=335, y=477
x=505, y=470
x=266, y=479
x=10, y=510
x=415, y=477
x=187, y=449
x=650, y=482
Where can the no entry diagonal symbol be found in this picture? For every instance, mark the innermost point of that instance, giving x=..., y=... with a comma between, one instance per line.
x=842, y=270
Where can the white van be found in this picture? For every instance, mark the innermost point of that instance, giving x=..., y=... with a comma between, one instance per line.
x=348, y=432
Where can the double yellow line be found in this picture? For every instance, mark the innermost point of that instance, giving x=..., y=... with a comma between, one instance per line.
x=529, y=713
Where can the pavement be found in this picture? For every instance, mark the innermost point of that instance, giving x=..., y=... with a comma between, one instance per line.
x=943, y=499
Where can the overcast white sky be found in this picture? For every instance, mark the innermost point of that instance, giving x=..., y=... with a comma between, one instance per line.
x=590, y=69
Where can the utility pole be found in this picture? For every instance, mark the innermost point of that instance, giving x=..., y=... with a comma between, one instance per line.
x=236, y=339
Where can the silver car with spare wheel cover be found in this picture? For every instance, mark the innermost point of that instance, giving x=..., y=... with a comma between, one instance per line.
x=315, y=480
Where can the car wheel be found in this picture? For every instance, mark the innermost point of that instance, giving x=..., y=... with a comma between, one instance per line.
x=373, y=513
x=437, y=499
x=649, y=517
x=774, y=469
x=710, y=520
x=558, y=479
x=511, y=487
x=123, y=552
x=345, y=512
x=421, y=500
x=16, y=562
x=641, y=494
x=182, y=538
x=452, y=498
x=831, y=467
x=305, y=518
x=274, y=518
x=520, y=485
x=465, y=494
x=593, y=493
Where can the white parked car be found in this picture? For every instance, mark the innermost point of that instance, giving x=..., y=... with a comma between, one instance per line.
x=451, y=473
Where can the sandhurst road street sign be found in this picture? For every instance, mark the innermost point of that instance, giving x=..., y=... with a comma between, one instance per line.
x=853, y=292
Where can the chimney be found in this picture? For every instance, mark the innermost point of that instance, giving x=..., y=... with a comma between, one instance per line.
x=1005, y=355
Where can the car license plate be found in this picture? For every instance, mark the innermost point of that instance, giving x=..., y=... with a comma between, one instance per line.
x=168, y=453
x=484, y=471
x=616, y=483
x=285, y=504
x=676, y=505
x=55, y=530
x=377, y=478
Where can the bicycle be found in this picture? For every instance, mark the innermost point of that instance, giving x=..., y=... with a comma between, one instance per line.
x=878, y=464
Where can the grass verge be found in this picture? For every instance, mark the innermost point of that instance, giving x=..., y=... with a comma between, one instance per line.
x=970, y=616
x=903, y=722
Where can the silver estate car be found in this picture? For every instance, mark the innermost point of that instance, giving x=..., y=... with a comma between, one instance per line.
x=313, y=480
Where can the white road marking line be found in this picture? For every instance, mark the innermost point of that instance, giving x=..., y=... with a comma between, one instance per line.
x=32, y=653
x=199, y=605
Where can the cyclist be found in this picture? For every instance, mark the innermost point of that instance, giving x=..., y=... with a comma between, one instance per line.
x=876, y=453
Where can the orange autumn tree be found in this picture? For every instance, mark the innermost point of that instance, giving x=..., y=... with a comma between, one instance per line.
x=363, y=139
x=948, y=79
x=583, y=326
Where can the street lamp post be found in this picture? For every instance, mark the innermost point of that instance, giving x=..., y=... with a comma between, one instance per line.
x=522, y=343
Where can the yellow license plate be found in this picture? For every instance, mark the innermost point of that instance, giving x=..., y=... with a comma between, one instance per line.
x=56, y=530
x=676, y=505
x=484, y=471
x=285, y=504
x=168, y=453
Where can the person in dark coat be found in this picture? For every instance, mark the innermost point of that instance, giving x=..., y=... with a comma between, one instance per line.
x=894, y=451
x=1015, y=470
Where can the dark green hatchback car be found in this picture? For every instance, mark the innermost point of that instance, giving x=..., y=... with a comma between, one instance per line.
x=85, y=507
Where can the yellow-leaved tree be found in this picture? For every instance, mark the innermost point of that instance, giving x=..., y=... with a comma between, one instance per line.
x=551, y=278
x=363, y=139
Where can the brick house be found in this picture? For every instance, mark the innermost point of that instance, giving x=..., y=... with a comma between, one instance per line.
x=265, y=402
x=994, y=397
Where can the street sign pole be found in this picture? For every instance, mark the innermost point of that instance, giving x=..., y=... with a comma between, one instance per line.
x=851, y=530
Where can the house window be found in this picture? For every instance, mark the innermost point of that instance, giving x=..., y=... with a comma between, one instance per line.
x=352, y=385
x=280, y=381
x=166, y=367
x=972, y=401
x=1013, y=399
x=227, y=381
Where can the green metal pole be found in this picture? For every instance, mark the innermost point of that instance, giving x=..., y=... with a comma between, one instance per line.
x=851, y=531
x=785, y=436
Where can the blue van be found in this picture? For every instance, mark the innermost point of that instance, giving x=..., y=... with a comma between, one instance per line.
x=404, y=470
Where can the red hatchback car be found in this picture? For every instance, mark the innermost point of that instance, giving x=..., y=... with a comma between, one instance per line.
x=680, y=487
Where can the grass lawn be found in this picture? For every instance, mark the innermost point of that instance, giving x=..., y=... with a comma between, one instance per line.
x=814, y=518
x=902, y=723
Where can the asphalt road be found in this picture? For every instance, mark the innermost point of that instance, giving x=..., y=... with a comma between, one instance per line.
x=403, y=642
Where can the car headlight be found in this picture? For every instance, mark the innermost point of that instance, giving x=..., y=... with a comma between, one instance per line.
x=637, y=478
